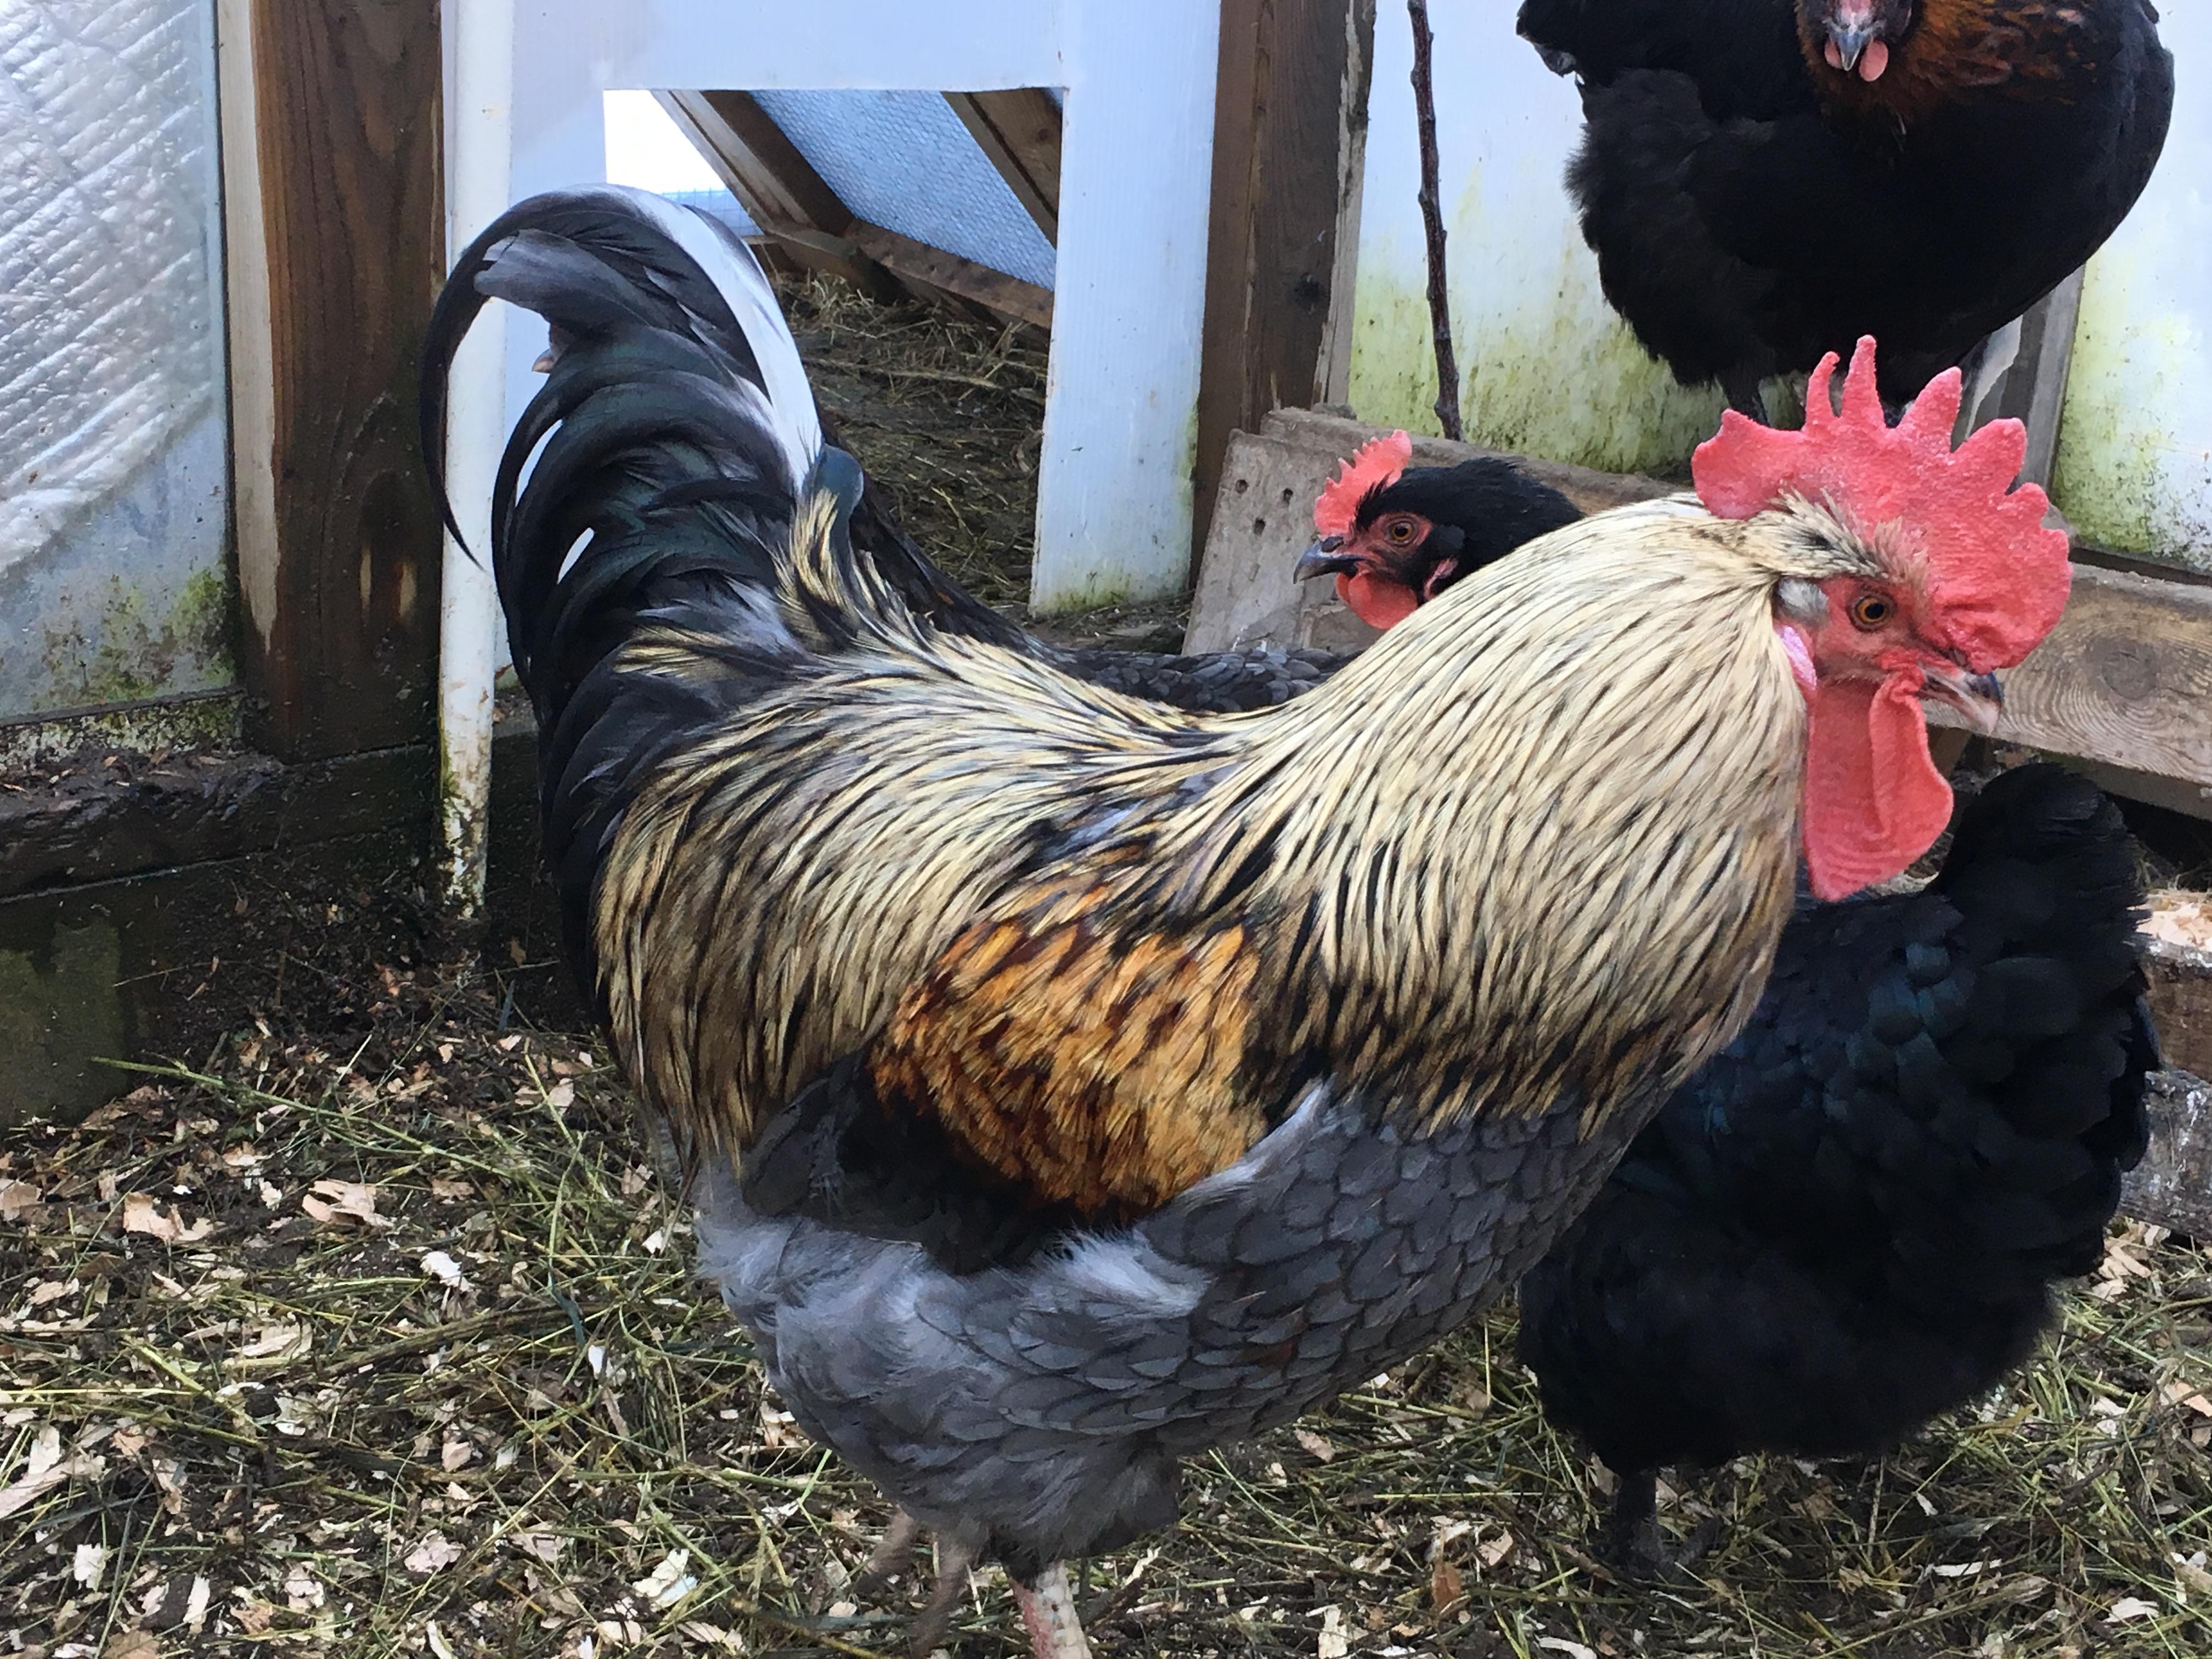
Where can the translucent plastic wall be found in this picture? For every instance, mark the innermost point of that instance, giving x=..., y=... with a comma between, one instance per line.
x=114, y=477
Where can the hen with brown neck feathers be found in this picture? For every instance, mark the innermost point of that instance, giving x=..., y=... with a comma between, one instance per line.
x=1069, y=1085
x=1765, y=180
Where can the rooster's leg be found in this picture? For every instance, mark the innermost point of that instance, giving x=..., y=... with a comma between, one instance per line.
x=892, y=1555
x=1049, y=1610
x=954, y=1558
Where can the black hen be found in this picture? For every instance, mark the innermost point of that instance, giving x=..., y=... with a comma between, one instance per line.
x=1850, y=1220
x=1766, y=181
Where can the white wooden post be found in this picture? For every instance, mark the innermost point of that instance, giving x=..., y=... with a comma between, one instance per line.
x=1114, y=499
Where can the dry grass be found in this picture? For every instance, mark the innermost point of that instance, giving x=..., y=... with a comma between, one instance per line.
x=947, y=414
x=395, y=1349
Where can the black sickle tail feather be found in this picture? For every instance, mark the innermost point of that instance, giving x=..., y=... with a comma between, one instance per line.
x=675, y=387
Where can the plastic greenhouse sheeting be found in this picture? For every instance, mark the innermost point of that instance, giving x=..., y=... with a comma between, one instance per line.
x=114, y=471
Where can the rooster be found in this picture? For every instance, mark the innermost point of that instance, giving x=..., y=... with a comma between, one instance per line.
x=1069, y=1085
x=1765, y=180
x=1850, y=1219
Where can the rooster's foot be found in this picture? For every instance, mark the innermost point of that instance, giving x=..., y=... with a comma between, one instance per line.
x=954, y=1558
x=1048, y=1611
x=892, y=1555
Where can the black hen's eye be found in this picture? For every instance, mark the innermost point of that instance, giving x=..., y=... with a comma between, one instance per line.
x=1401, y=532
x=1870, y=610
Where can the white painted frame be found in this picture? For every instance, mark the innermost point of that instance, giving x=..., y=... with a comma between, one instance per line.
x=1114, y=491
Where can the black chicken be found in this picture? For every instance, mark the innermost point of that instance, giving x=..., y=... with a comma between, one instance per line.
x=1850, y=1220
x=1765, y=180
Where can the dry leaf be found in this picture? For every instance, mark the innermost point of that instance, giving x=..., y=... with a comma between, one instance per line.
x=453, y=1454
x=17, y=1198
x=1495, y=1550
x=1331, y=1643
x=448, y=1192
x=45, y=1469
x=287, y=1341
x=1444, y=1588
x=433, y=1552
x=440, y=1647
x=443, y=1268
x=53, y=1290
x=2180, y=1393
x=88, y=1565
x=1572, y=1650
x=669, y=1582
x=2129, y=1608
x=561, y=1097
x=141, y=1214
x=329, y=1202
x=1315, y=1444
x=539, y=1546
x=133, y=1644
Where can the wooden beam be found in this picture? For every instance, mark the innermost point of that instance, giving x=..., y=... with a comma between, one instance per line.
x=334, y=215
x=1289, y=105
x=2124, y=679
x=920, y=265
x=1019, y=131
x=777, y=186
x=2172, y=1185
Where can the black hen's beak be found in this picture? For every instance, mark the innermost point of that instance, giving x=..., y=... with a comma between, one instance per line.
x=1326, y=557
x=1850, y=41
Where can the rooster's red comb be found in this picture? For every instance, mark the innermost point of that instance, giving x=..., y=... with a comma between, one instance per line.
x=1377, y=464
x=1995, y=578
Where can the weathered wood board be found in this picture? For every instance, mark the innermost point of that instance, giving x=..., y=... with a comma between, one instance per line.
x=2172, y=1185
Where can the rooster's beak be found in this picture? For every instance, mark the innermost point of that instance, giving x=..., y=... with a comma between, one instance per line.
x=1978, y=697
x=1326, y=557
x=1848, y=41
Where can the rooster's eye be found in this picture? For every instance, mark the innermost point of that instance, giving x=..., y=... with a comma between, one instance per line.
x=1401, y=531
x=1870, y=610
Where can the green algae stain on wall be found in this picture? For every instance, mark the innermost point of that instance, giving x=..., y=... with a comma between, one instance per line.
x=1548, y=369
x=2122, y=476
x=1394, y=366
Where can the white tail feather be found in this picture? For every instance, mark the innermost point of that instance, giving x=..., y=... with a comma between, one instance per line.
x=730, y=265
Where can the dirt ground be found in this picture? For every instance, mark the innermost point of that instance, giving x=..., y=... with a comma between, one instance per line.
x=392, y=1347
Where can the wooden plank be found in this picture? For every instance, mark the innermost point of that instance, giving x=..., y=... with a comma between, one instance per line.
x=1019, y=131
x=2032, y=389
x=2124, y=679
x=335, y=223
x=779, y=189
x=2181, y=1000
x=2172, y=1185
x=930, y=267
x=1287, y=75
